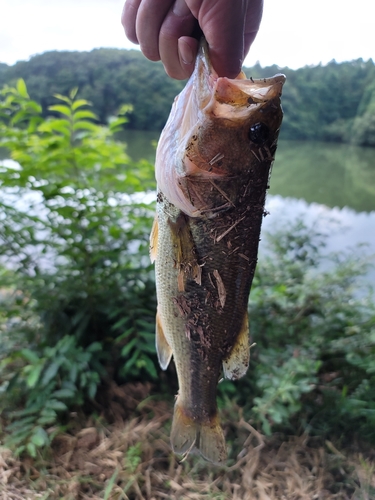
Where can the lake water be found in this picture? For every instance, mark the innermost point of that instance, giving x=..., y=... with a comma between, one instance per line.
x=331, y=186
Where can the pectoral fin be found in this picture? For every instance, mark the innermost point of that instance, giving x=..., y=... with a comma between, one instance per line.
x=154, y=239
x=185, y=254
x=236, y=365
x=163, y=349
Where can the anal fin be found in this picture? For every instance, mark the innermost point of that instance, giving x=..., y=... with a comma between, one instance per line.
x=236, y=365
x=163, y=349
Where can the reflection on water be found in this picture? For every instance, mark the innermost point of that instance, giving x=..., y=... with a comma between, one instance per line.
x=345, y=228
x=325, y=183
x=335, y=175
x=140, y=144
x=319, y=181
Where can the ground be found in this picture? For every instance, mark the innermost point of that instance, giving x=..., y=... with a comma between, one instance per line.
x=131, y=459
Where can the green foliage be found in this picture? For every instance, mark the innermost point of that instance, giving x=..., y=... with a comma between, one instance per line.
x=133, y=457
x=314, y=360
x=54, y=380
x=77, y=291
x=321, y=102
x=78, y=302
x=108, y=78
x=330, y=103
x=282, y=386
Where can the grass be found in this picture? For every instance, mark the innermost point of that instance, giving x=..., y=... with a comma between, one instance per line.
x=131, y=459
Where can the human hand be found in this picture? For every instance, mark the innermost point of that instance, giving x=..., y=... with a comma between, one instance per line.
x=165, y=31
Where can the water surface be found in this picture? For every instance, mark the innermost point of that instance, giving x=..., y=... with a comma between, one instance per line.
x=331, y=186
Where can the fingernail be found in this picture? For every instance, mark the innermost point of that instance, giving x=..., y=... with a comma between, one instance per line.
x=180, y=8
x=185, y=51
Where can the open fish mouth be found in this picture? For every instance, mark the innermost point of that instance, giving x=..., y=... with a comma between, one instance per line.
x=232, y=97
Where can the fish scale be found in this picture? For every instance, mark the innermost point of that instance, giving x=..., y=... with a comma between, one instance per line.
x=213, y=165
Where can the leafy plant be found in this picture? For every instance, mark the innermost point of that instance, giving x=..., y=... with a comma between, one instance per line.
x=315, y=336
x=60, y=377
x=314, y=361
x=75, y=271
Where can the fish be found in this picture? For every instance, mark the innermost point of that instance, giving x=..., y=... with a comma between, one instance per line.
x=212, y=168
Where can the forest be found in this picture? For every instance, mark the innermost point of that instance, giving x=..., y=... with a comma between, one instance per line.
x=335, y=102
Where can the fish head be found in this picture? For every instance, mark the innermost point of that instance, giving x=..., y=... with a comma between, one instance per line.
x=223, y=129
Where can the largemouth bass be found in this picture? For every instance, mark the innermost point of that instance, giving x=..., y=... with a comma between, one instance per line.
x=212, y=167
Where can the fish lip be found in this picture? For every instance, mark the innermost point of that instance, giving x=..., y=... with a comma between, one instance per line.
x=209, y=82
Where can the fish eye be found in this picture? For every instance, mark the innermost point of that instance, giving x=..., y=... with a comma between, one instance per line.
x=258, y=133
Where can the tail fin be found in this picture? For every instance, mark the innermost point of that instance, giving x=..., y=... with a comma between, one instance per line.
x=205, y=438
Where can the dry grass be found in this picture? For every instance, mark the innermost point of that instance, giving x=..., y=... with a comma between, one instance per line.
x=132, y=460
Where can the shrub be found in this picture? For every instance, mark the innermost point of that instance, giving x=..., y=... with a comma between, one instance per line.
x=78, y=292
x=314, y=361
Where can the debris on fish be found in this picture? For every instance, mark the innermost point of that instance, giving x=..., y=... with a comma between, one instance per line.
x=213, y=164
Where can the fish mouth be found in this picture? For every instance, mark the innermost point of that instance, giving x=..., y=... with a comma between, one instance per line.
x=232, y=97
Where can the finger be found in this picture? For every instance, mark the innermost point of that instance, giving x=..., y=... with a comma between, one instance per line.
x=128, y=19
x=223, y=24
x=252, y=23
x=150, y=17
x=177, y=47
x=188, y=50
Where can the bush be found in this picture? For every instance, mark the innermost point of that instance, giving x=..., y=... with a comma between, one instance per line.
x=314, y=363
x=77, y=286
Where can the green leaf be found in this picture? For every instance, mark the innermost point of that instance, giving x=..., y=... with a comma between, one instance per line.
x=60, y=108
x=109, y=487
x=51, y=371
x=58, y=125
x=33, y=376
x=54, y=404
x=47, y=420
x=84, y=125
x=34, y=106
x=116, y=124
x=95, y=347
x=19, y=450
x=29, y=355
x=23, y=423
x=150, y=367
x=22, y=89
x=63, y=98
x=128, y=347
x=79, y=115
x=73, y=92
x=64, y=393
x=31, y=449
x=125, y=109
x=79, y=103
x=39, y=437
x=266, y=427
x=91, y=390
